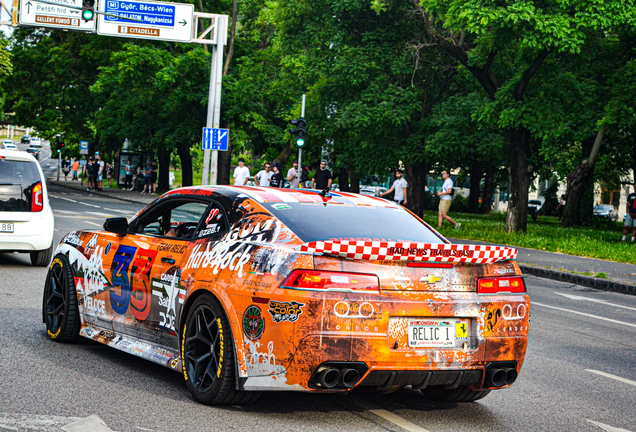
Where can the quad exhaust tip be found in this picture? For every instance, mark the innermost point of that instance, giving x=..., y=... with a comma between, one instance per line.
x=340, y=375
x=500, y=376
x=328, y=377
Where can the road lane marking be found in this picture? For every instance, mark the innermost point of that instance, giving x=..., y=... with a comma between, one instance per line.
x=606, y=375
x=62, y=198
x=607, y=428
x=118, y=211
x=100, y=214
x=87, y=204
x=575, y=297
x=584, y=314
x=92, y=223
x=89, y=424
x=388, y=416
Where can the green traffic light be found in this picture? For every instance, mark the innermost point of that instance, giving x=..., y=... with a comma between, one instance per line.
x=300, y=142
x=58, y=150
x=87, y=14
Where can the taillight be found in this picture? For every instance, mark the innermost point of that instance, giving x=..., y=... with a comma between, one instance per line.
x=314, y=280
x=513, y=285
x=36, y=197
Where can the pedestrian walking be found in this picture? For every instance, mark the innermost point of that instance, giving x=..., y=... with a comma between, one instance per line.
x=399, y=186
x=277, y=178
x=66, y=168
x=129, y=176
x=292, y=176
x=109, y=174
x=153, y=176
x=322, y=179
x=264, y=176
x=630, y=217
x=241, y=173
x=74, y=169
x=445, y=198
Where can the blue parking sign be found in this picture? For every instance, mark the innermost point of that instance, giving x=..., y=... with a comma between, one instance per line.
x=215, y=139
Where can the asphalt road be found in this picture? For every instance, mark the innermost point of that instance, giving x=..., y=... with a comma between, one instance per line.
x=579, y=374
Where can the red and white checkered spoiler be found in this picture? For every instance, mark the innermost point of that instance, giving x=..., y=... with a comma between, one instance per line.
x=408, y=251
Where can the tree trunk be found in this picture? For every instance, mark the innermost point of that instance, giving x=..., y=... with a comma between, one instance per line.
x=354, y=181
x=489, y=189
x=476, y=172
x=186, y=164
x=578, y=183
x=416, y=178
x=163, y=183
x=519, y=177
x=225, y=164
x=343, y=180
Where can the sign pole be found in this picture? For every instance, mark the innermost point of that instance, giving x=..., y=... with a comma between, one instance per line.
x=59, y=165
x=300, y=149
x=221, y=38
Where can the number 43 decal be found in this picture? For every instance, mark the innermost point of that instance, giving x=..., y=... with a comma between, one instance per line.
x=133, y=286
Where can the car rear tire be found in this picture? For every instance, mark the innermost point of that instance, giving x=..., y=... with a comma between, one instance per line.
x=59, y=307
x=459, y=394
x=42, y=258
x=207, y=355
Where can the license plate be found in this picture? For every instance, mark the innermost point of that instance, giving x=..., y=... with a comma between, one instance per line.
x=426, y=333
x=6, y=227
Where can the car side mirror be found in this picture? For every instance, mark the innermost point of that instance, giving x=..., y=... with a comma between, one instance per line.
x=117, y=225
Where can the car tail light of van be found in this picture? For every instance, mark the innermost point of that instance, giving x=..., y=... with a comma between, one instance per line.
x=514, y=285
x=37, y=197
x=313, y=280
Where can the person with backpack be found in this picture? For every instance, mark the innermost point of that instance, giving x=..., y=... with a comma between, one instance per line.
x=630, y=217
x=445, y=195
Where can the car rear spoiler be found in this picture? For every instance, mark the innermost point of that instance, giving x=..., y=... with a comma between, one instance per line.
x=409, y=251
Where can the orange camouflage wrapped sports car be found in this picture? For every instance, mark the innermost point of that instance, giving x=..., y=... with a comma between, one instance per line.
x=245, y=289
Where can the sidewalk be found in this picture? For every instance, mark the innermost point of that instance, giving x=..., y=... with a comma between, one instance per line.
x=621, y=277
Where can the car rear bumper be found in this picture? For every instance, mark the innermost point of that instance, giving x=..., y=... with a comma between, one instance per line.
x=32, y=231
x=377, y=346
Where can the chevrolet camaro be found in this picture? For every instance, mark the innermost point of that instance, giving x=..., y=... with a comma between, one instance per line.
x=251, y=289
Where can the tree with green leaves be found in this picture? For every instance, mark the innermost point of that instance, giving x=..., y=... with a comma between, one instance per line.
x=504, y=45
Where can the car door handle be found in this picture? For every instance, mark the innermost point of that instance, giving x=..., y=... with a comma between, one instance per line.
x=168, y=260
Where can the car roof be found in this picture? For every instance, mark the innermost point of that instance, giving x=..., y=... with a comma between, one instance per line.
x=14, y=155
x=275, y=195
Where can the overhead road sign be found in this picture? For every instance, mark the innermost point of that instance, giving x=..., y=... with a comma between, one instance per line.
x=215, y=139
x=153, y=20
x=65, y=14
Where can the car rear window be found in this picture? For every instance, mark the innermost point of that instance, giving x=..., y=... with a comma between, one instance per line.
x=314, y=222
x=16, y=182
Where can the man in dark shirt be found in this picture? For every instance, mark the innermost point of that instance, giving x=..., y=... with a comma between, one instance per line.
x=322, y=179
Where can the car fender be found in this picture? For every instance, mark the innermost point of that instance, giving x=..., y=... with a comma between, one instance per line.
x=208, y=287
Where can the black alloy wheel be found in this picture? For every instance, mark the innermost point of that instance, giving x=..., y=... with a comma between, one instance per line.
x=59, y=307
x=207, y=355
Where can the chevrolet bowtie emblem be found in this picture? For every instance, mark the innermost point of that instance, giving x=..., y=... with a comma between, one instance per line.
x=431, y=279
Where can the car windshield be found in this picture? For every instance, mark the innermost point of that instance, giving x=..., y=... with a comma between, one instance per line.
x=317, y=221
x=603, y=207
x=16, y=182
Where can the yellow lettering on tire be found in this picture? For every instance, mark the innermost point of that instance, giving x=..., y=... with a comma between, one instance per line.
x=218, y=372
x=57, y=261
x=183, y=360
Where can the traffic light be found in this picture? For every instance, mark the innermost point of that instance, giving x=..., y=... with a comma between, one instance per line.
x=88, y=9
x=300, y=131
x=59, y=145
x=304, y=175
